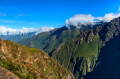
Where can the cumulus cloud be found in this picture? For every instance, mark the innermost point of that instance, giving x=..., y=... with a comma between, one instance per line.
x=79, y=19
x=108, y=17
x=9, y=31
x=82, y=19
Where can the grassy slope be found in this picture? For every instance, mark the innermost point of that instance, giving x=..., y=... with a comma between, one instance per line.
x=30, y=63
x=79, y=56
x=109, y=59
x=49, y=41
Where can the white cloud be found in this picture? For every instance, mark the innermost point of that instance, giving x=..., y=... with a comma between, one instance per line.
x=108, y=17
x=44, y=29
x=81, y=19
x=9, y=31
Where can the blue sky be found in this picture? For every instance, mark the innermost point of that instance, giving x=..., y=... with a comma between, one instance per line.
x=38, y=13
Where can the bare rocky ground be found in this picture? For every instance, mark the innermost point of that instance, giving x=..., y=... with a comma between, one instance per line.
x=5, y=74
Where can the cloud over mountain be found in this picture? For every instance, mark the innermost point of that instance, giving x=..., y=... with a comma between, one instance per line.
x=108, y=17
x=81, y=19
x=9, y=31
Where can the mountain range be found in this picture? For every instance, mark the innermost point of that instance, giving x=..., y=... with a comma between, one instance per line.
x=49, y=41
x=18, y=37
x=87, y=52
x=21, y=34
x=93, y=53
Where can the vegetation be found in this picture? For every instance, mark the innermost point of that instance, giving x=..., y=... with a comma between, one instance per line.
x=87, y=53
x=49, y=41
x=30, y=63
x=79, y=56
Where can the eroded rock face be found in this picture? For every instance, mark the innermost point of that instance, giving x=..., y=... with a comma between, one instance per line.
x=5, y=74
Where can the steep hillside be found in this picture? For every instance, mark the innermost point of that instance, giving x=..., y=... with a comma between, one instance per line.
x=80, y=54
x=109, y=57
x=49, y=41
x=109, y=60
x=30, y=63
x=93, y=54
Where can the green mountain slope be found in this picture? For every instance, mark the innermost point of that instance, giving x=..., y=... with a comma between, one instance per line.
x=49, y=41
x=109, y=59
x=30, y=63
x=89, y=55
x=80, y=54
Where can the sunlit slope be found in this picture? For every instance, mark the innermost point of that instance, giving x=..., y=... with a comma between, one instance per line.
x=30, y=63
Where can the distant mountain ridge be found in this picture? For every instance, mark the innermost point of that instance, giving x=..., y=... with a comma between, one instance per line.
x=18, y=37
x=49, y=41
x=21, y=34
x=23, y=30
